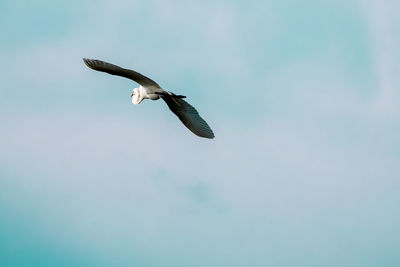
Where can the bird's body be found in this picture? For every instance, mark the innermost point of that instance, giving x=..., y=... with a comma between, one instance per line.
x=141, y=93
x=149, y=89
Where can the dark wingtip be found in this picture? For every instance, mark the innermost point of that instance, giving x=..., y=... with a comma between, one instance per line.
x=86, y=61
x=209, y=135
x=91, y=63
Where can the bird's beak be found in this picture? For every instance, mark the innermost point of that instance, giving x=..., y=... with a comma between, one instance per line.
x=132, y=94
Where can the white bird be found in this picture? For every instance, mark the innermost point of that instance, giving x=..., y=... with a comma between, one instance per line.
x=149, y=89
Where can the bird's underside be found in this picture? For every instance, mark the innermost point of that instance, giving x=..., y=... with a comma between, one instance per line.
x=187, y=114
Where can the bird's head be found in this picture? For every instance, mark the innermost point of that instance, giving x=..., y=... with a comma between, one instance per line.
x=136, y=99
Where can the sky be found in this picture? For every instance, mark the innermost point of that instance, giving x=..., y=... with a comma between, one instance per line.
x=303, y=98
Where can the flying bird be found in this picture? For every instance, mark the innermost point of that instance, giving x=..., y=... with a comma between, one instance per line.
x=149, y=89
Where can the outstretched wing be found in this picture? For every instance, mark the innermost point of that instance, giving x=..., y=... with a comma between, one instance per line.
x=188, y=116
x=115, y=70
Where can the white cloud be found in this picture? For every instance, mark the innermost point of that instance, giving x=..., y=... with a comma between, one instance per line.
x=383, y=20
x=115, y=179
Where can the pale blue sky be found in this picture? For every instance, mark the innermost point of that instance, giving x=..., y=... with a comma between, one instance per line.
x=303, y=97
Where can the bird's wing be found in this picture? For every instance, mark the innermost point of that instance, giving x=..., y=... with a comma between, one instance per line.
x=188, y=116
x=115, y=70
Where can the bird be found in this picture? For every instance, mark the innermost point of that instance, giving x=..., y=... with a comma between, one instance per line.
x=149, y=89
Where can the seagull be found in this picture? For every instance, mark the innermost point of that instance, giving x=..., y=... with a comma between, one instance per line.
x=149, y=89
